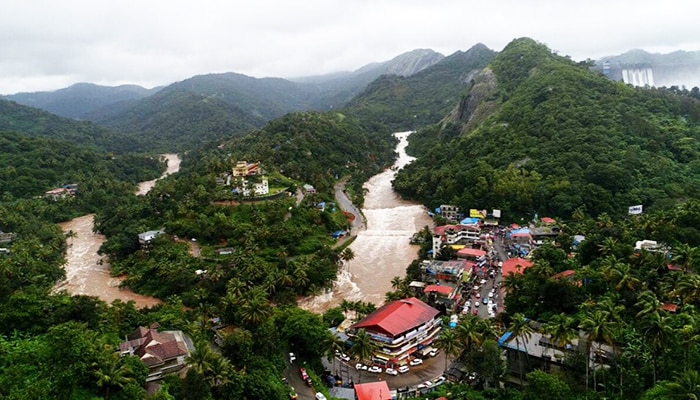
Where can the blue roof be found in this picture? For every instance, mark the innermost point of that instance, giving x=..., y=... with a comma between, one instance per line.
x=503, y=339
x=470, y=221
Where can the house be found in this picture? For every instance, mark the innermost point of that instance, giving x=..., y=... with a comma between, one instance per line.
x=449, y=212
x=309, y=189
x=372, y=391
x=515, y=266
x=544, y=234
x=261, y=188
x=538, y=351
x=57, y=194
x=242, y=168
x=446, y=235
x=224, y=251
x=162, y=352
x=7, y=237
x=471, y=254
x=398, y=329
x=145, y=238
x=447, y=295
x=451, y=271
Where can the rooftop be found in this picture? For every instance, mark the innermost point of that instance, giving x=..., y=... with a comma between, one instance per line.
x=397, y=317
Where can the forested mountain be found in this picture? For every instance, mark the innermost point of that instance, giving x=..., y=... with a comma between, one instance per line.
x=34, y=122
x=336, y=90
x=408, y=102
x=33, y=165
x=82, y=99
x=557, y=137
x=179, y=120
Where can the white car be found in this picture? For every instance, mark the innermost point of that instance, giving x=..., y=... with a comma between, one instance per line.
x=391, y=371
x=425, y=384
x=292, y=357
x=468, y=304
x=490, y=294
x=344, y=357
x=416, y=361
x=375, y=369
x=403, y=369
x=360, y=366
x=434, y=352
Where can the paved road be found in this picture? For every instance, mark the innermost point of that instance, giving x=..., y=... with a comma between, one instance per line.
x=346, y=205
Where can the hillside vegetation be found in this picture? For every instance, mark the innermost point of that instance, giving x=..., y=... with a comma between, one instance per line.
x=560, y=138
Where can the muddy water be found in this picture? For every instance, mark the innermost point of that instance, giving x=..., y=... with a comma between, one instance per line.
x=87, y=272
x=383, y=249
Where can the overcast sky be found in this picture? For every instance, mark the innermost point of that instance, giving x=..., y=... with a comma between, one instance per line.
x=51, y=44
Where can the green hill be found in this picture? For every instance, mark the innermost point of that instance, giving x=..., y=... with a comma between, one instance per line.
x=403, y=103
x=34, y=122
x=558, y=137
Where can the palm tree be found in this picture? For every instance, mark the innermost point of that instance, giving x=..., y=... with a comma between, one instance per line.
x=362, y=347
x=600, y=328
x=685, y=386
x=607, y=247
x=469, y=332
x=561, y=329
x=112, y=373
x=255, y=308
x=687, y=288
x=684, y=255
x=220, y=371
x=648, y=303
x=522, y=331
x=620, y=274
x=347, y=255
x=200, y=359
x=449, y=343
x=657, y=331
x=331, y=345
x=396, y=282
x=345, y=305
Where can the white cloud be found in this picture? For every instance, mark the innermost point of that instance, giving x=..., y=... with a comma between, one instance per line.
x=47, y=45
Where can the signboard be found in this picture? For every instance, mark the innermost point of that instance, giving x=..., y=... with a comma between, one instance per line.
x=635, y=210
x=496, y=213
x=474, y=213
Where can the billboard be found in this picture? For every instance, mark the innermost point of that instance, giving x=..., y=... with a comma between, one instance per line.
x=474, y=213
x=635, y=210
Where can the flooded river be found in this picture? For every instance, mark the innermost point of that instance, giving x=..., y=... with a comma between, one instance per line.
x=87, y=272
x=382, y=250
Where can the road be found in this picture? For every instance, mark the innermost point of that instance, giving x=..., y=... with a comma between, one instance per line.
x=346, y=205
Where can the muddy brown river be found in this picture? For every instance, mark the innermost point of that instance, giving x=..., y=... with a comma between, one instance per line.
x=87, y=272
x=382, y=250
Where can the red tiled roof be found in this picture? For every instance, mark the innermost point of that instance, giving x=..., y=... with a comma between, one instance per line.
x=548, y=220
x=372, y=391
x=443, y=290
x=669, y=307
x=471, y=252
x=397, y=317
x=564, y=274
x=515, y=266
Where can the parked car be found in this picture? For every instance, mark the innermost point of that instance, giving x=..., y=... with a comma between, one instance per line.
x=375, y=369
x=292, y=357
x=360, y=366
x=391, y=371
x=416, y=361
x=425, y=384
x=320, y=396
x=344, y=357
x=403, y=369
x=439, y=380
x=486, y=300
x=434, y=352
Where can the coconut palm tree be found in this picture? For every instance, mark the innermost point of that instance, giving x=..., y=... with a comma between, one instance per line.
x=686, y=385
x=112, y=373
x=449, y=343
x=600, y=328
x=469, y=332
x=521, y=330
x=331, y=345
x=254, y=308
x=362, y=347
x=562, y=330
x=657, y=331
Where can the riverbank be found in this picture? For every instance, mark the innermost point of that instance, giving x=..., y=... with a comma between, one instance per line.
x=87, y=272
x=381, y=240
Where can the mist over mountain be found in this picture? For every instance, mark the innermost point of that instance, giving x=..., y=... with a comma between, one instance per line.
x=638, y=67
x=80, y=100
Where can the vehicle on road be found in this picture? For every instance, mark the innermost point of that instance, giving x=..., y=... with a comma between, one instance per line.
x=391, y=371
x=292, y=357
x=344, y=357
x=360, y=366
x=416, y=361
x=305, y=376
x=434, y=352
x=486, y=300
x=375, y=369
x=320, y=396
x=439, y=380
x=403, y=369
x=425, y=384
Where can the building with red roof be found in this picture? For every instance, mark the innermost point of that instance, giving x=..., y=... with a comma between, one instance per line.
x=445, y=235
x=398, y=329
x=372, y=391
x=162, y=352
x=471, y=254
x=515, y=266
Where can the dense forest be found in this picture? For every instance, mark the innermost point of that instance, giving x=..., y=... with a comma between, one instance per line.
x=560, y=138
x=533, y=132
